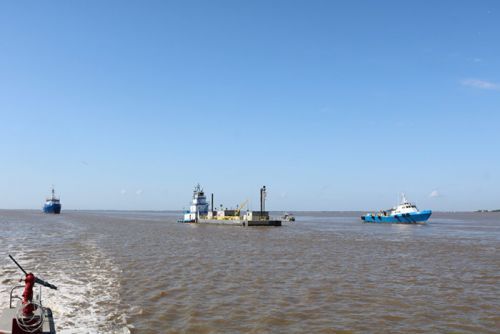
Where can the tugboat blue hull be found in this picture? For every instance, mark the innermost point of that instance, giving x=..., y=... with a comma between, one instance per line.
x=53, y=208
x=403, y=218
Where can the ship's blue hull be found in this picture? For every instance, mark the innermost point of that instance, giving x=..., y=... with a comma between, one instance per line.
x=52, y=208
x=405, y=218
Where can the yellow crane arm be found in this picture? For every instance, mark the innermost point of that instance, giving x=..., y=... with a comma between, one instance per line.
x=242, y=205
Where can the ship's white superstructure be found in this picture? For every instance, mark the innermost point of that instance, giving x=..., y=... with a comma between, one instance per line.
x=404, y=207
x=199, y=205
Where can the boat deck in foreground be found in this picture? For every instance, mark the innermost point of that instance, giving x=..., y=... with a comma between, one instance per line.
x=8, y=319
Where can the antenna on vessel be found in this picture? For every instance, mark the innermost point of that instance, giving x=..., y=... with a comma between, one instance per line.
x=403, y=198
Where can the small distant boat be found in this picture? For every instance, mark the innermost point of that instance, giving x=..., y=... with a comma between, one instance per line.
x=52, y=204
x=404, y=213
x=288, y=217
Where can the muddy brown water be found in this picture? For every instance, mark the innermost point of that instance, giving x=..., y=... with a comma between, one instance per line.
x=141, y=272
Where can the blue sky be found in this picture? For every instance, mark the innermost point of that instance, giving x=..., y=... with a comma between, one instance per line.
x=333, y=105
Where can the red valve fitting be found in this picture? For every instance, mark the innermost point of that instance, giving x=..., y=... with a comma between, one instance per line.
x=28, y=308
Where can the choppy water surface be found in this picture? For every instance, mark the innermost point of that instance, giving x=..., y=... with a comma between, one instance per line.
x=326, y=273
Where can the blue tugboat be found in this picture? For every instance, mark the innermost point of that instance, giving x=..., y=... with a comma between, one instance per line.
x=404, y=213
x=52, y=204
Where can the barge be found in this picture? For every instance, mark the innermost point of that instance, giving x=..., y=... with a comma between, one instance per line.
x=199, y=212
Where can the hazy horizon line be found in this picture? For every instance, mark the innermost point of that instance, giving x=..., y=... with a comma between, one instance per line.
x=289, y=211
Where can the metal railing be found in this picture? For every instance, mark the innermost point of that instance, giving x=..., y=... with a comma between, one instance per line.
x=38, y=298
x=14, y=297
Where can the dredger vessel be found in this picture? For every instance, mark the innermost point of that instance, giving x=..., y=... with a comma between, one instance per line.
x=200, y=213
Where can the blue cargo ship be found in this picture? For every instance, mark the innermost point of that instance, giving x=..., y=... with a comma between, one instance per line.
x=52, y=204
x=404, y=213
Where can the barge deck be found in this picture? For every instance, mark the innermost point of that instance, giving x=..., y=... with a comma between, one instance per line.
x=240, y=222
